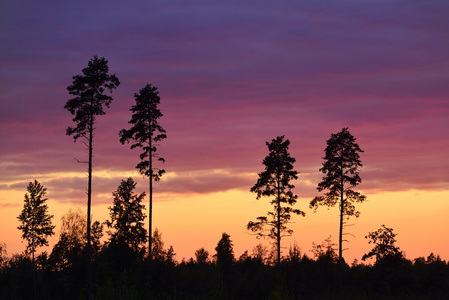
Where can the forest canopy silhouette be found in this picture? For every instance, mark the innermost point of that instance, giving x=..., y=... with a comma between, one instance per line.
x=120, y=259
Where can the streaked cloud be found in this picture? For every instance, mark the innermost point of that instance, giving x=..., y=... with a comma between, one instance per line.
x=231, y=76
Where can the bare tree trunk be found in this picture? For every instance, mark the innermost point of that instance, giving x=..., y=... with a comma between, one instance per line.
x=34, y=271
x=340, y=237
x=150, y=217
x=340, y=247
x=279, y=225
x=89, y=201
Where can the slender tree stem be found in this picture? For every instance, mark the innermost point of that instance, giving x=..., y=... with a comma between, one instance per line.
x=88, y=102
x=340, y=238
x=279, y=222
x=150, y=217
x=89, y=201
x=34, y=271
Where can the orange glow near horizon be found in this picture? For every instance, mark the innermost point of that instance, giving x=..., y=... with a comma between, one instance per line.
x=189, y=222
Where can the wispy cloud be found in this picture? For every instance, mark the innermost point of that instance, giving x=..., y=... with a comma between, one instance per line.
x=231, y=76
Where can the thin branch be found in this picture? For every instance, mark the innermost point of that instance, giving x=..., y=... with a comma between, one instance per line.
x=80, y=162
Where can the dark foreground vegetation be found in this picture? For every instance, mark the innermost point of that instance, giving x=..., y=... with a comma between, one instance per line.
x=119, y=274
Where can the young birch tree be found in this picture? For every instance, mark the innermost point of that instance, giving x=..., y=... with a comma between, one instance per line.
x=127, y=218
x=36, y=225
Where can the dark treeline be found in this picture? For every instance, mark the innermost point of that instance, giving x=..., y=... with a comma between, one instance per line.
x=119, y=272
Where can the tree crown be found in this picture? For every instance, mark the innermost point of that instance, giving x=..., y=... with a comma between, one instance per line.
x=224, y=251
x=89, y=99
x=278, y=172
x=36, y=223
x=340, y=166
x=275, y=181
x=145, y=131
x=127, y=217
x=384, y=241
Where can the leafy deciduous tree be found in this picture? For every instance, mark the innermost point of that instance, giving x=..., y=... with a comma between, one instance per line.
x=72, y=240
x=89, y=98
x=202, y=256
x=224, y=252
x=170, y=256
x=432, y=258
x=383, y=239
x=36, y=225
x=325, y=251
x=244, y=257
x=145, y=133
x=127, y=218
x=260, y=253
x=158, y=253
x=275, y=181
x=3, y=255
x=73, y=225
x=294, y=253
x=96, y=235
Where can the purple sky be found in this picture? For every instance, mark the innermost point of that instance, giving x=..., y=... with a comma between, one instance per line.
x=231, y=76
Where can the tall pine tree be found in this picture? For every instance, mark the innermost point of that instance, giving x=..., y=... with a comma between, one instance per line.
x=275, y=182
x=89, y=98
x=145, y=133
x=340, y=166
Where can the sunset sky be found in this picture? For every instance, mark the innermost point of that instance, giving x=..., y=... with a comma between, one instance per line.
x=231, y=76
